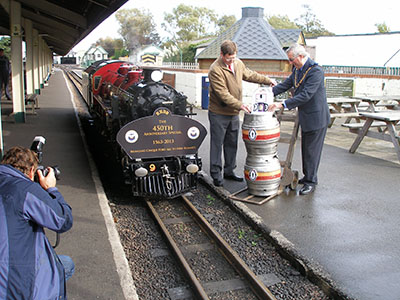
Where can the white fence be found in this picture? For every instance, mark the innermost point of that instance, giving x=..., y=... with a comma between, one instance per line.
x=183, y=65
x=362, y=70
x=328, y=69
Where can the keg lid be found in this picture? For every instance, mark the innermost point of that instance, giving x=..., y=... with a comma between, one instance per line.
x=262, y=98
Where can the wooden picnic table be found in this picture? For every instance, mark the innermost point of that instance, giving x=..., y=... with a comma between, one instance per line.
x=343, y=107
x=384, y=119
x=373, y=102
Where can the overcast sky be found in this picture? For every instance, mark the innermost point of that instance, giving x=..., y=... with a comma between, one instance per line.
x=338, y=16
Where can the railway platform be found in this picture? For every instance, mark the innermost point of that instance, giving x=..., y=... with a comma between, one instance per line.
x=346, y=232
x=88, y=243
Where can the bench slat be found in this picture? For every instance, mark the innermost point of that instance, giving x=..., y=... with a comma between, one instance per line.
x=345, y=115
x=360, y=125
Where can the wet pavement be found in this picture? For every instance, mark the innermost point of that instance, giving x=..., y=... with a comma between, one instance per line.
x=347, y=229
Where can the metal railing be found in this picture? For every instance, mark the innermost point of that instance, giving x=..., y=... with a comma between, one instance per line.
x=395, y=71
x=179, y=65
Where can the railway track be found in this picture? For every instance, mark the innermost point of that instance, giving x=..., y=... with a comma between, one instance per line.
x=75, y=78
x=180, y=216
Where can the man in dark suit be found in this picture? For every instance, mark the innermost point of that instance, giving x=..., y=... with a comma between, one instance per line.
x=4, y=74
x=307, y=79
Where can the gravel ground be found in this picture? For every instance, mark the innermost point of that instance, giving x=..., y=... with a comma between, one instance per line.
x=154, y=275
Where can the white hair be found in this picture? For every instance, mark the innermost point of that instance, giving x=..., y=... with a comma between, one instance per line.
x=297, y=49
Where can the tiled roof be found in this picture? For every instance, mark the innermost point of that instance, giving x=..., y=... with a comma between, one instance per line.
x=287, y=36
x=254, y=37
x=213, y=50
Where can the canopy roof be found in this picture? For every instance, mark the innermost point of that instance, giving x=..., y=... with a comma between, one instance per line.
x=61, y=23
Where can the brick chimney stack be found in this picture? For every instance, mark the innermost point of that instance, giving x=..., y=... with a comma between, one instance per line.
x=252, y=12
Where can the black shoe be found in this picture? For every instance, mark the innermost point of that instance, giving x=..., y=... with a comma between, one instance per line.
x=301, y=181
x=233, y=177
x=217, y=182
x=307, y=189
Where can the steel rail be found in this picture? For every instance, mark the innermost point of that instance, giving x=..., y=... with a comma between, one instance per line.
x=256, y=284
x=196, y=285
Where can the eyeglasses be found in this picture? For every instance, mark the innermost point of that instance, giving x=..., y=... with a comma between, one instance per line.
x=292, y=59
x=230, y=58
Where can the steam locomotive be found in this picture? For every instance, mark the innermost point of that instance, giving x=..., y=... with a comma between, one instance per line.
x=148, y=123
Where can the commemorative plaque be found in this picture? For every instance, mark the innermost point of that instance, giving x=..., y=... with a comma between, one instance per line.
x=163, y=134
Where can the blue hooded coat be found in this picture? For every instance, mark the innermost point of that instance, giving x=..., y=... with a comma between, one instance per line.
x=29, y=267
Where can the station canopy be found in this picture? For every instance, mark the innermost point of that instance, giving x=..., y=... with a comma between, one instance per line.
x=61, y=23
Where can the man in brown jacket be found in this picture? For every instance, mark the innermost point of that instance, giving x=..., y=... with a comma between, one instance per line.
x=225, y=76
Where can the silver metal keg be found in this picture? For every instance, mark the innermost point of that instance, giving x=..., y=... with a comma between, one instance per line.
x=261, y=133
x=263, y=174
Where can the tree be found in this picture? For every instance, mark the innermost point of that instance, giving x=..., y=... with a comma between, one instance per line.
x=188, y=53
x=5, y=43
x=310, y=24
x=224, y=23
x=382, y=27
x=111, y=46
x=281, y=22
x=188, y=23
x=137, y=28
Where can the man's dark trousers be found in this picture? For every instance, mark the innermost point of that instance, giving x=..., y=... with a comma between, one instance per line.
x=311, y=149
x=224, y=132
x=4, y=80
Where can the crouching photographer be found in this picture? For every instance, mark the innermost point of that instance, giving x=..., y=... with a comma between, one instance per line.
x=29, y=266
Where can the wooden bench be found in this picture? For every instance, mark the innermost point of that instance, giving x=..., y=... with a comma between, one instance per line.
x=385, y=122
x=33, y=101
x=345, y=115
x=356, y=127
x=343, y=107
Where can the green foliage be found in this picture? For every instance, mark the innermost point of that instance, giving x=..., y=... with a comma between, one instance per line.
x=225, y=22
x=210, y=199
x=382, y=27
x=120, y=53
x=187, y=51
x=251, y=236
x=310, y=24
x=188, y=23
x=137, y=27
x=281, y=22
x=112, y=46
x=5, y=43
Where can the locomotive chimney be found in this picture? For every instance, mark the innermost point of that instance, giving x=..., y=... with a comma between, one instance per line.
x=151, y=74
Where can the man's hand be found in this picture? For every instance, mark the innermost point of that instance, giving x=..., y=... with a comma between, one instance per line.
x=276, y=105
x=48, y=181
x=245, y=108
x=273, y=82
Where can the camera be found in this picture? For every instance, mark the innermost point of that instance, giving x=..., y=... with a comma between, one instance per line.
x=37, y=147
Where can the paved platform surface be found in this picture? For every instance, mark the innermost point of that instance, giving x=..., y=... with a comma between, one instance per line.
x=348, y=226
